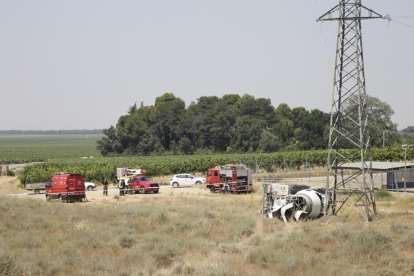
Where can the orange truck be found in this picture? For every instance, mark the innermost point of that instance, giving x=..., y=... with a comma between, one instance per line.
x=66, y=187
x=230, y=179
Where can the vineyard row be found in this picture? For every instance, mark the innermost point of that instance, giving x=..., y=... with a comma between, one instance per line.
x=96, y=169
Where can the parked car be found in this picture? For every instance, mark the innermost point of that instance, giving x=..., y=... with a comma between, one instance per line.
x=186, y=180
x=90, y=186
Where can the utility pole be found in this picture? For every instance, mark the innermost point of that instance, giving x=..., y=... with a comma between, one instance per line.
x=405, y=147
x=349, y=122
x=383, y=137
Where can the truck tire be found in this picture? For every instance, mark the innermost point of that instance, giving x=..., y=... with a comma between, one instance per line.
x=198, y=183
x=60, y=198
x=175, y=185
x=155, y=191
x=142, y=190
x=90, y=188
x=47, y=197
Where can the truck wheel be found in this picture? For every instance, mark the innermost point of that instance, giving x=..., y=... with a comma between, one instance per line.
x=155, y=191
x=198, y=183
x=47, y=198
x=175, y=185
x=60, y=198
x=142, y=190
x=90, y=188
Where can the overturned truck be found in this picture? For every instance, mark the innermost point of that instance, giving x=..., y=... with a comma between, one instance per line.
x=292, y=202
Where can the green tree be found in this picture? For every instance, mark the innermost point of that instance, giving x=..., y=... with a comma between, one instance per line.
x=213, y=124
x=185, y=146
x=212, y=121
x=132, y=128
x=311, y=131
x=259, y=108
x=133, y=108
x=282, y=125
x=269, y=142
x=407, y=135
x=199, y=119
x=247, y=134
x=169, y=114
x=379, y=118
x=150, y=144
x=109, y=143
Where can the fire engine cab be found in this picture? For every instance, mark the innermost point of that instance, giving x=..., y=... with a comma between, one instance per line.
x=230, y=179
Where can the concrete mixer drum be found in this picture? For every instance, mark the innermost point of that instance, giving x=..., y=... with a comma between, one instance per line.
x=304, y=204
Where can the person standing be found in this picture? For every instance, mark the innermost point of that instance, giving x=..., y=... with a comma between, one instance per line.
x=105, y=187
x=122, y=187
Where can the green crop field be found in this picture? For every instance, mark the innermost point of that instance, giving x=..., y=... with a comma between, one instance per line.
x=78, y=154
x=31, y=148
x=96, y=169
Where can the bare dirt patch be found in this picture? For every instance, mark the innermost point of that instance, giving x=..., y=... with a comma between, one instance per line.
x=165, y=191
x=9, y=185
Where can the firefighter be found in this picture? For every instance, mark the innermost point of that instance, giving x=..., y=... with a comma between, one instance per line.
x=105, y=187
x=122, y=187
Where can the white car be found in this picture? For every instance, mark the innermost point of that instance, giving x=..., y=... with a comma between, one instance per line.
x=186, y=180
x=90, y=186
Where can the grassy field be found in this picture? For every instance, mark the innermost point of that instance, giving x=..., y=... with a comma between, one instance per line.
x=29, y=148
x=209, y=235
x=195, y=234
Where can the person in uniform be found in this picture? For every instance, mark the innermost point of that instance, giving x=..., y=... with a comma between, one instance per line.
x=122, y=187
x=105, y=187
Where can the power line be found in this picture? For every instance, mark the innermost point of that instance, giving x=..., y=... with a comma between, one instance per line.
x=404, y=16
x=403, y=24
x=389, y=19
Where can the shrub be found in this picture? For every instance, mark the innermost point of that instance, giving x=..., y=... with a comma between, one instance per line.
x=126, y=242
x=369, y=243
x=383, y=194
x=10, y=173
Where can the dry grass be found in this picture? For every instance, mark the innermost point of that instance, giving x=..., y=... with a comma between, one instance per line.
x=211, y=235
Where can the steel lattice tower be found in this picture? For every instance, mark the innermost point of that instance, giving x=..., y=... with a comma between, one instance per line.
x=348, y=126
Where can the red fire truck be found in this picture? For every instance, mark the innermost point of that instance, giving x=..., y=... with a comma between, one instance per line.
x=65, y=186
x=230, y=179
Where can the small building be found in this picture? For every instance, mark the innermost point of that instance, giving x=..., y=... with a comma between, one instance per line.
x=400, y=175
x=400, y=178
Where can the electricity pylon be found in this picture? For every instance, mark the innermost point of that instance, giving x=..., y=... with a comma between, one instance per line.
x=349, y=121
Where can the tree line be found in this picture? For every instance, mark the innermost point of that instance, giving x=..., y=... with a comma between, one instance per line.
x=231, y=123
x=52, y=132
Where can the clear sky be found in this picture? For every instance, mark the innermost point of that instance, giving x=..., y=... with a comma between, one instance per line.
x=79, y=64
